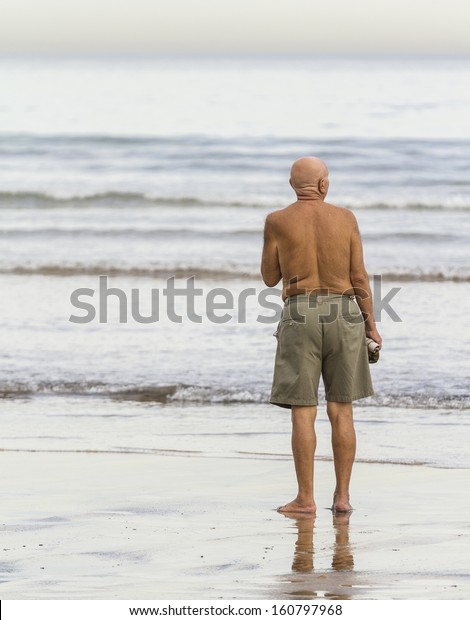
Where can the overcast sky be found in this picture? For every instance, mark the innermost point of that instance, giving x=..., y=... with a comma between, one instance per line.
x=231, y=26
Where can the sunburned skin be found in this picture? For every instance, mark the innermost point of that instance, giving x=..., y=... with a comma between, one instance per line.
x=313, y=237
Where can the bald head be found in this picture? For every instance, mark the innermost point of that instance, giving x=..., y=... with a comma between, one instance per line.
x=309, y=178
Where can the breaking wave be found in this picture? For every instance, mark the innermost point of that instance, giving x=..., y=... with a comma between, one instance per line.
x=180, y=393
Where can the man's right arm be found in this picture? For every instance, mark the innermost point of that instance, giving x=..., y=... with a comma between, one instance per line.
x=270, y=268
x=360, y=281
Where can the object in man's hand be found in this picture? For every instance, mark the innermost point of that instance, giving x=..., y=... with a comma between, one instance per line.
x=373, y=349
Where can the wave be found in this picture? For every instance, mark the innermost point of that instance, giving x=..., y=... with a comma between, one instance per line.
x=113, y=199
x=102, y=199
x=435, y=237
x=180, y=393
x=23, y=143
x=209, y=273
x=152, y=393
x=425, y=276
x=209, y=395
x=407, y=206
x=183, y=272
x=131, y=232
x=198, y=231
x=419, y=401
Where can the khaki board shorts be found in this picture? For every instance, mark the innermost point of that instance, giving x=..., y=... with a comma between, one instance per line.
x=320, y=335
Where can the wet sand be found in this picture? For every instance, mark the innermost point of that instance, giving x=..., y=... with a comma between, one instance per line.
x=128, y=526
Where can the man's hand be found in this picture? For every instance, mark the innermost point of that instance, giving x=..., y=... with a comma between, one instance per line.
x=374, y=334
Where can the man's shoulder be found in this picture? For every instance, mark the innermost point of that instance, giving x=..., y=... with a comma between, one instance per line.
x=346, y=216
x=283, y=210
x=279, y=214
x=343, y=212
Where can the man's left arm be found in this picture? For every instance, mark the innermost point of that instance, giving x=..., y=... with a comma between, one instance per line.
x=270, y=267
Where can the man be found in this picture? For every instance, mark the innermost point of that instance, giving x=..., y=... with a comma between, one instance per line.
x=316, y=249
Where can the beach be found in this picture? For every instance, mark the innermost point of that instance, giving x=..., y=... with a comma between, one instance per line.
x=139, y=457
x=102, y=525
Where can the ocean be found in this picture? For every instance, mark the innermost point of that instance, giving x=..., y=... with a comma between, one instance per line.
x=160, y=171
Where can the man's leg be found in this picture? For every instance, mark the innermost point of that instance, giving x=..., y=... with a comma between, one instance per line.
x=343, y=439
x=304, y=442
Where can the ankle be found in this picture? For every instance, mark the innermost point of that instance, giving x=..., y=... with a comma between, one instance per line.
x=305, y=499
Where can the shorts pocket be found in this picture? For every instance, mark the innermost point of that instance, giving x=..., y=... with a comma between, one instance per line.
x=351, y=313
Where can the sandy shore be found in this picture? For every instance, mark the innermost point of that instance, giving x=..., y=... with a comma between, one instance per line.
x=127, y=526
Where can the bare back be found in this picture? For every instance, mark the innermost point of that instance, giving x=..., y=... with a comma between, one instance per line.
x=314, y=247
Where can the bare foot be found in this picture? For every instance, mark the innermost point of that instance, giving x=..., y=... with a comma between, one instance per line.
x=341, y=504
x=298, y=506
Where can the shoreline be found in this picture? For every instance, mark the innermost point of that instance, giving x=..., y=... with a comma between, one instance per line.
x=261, y=456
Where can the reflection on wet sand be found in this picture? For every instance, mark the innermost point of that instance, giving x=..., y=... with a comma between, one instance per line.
x=303, y=553
x=342, y=555
x=308, y=583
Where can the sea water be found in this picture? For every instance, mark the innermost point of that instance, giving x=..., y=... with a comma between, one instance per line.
x=144, y=169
